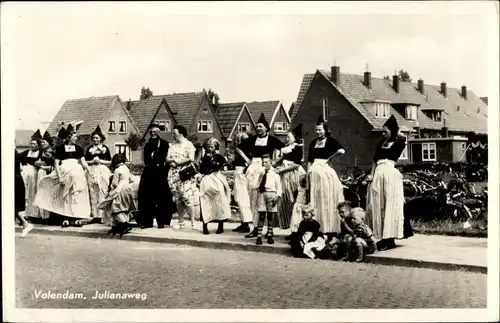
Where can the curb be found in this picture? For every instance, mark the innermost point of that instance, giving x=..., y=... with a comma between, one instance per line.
x=280, y=250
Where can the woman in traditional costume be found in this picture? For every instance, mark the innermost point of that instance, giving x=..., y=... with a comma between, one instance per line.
x=65, y=191
x=290, y=170
x=326, y=190
x=255, y=147
x=215, y=193
x=186, y=194
x=240, y=186
x=45, y=165
x=30, y=173
x=385, y=201
x=98, y=158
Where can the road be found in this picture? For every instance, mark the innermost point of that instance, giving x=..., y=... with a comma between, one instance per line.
x=173, y=276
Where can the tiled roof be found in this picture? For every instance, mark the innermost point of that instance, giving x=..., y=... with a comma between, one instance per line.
x=304, y=86
x=266, y=107
x=292, y=109
x=23, y=138
x=466, y=118
x=143, y=112
x=184, y=106
x=89, y=110
x=227, y=115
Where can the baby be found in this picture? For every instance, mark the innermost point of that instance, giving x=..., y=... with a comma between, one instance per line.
x=363, y=241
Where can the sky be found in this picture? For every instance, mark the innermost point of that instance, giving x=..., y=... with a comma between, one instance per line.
x=58, y=51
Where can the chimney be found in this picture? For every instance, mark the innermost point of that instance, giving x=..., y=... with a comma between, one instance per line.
x=335, y=75
x=444, y=130
x=395, y=83
x=420, y=86
x=443, y=89
x=464, y=92
x=368, y=80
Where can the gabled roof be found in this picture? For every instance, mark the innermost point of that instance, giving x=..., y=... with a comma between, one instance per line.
x=90, y=111
x=269, y=108
x=144, y=111
x=466, y=118
x=304, y=86
x=23, y=137
x=184, y=106
x=228, y=114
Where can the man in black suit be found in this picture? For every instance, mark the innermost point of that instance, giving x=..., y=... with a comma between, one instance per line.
x=155, y=198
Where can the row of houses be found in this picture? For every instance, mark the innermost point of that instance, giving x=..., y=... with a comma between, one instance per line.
x=437, y=119
x=202, y=118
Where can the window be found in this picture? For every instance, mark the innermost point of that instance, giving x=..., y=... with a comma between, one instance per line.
x=429, y=152
x=123, y=126
x=404, y=154
x=434, y=115
x=122, y=148
x=243, y=127
x=205, y=126
x=164, y=125
x=281, y=127
x=111, y=126
x=463, y=145
x=382, y=110
x=411, y=112
x=325, y=108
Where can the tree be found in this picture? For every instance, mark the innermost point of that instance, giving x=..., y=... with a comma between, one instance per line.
x=213, y=97
x=134, y=141
x=387, y=77
x=146, y=93
x=404, y=76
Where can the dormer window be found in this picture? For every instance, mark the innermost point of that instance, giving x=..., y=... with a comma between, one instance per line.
x=382, y=110
x=434, y=115
x=411, y=112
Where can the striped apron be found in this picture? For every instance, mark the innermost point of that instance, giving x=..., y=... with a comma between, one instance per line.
x=240, y=193
x=385, y=202
x=326, y=193
x=72, y=198
x=253, y=174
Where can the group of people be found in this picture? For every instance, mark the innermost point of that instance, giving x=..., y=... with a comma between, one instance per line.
x=270, y=185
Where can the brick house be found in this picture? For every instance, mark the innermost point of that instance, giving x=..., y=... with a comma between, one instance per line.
x=275, y=114
x=192, y=110
x=233, y=118
x=436, y=118
x=155, y=109
x=107, y=112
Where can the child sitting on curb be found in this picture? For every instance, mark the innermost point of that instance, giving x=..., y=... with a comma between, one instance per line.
x=340, y=244
x=308, y=240
x=363, y=242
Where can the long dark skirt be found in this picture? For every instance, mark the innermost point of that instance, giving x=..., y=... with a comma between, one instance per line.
x=155, y=197
x=20, y=194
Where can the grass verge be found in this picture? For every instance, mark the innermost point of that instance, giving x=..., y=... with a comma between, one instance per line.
x=478, y=229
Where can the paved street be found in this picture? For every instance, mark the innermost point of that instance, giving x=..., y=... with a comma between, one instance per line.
x=173, y=276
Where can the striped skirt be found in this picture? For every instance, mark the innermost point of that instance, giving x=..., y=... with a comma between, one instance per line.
x=98, y=181
x=30, y=177
x=253, y=174
x=42, y=214
x=241, y=197
x=72, y=198
x=385, y=202
x=326, y=193
x=290, y=182
x=215, y=198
